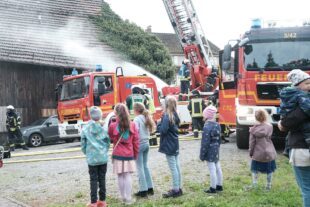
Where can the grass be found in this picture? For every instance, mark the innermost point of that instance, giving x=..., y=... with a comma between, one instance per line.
x=284, y=192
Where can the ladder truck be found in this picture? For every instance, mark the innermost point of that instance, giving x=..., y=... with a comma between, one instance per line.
x=196, y=48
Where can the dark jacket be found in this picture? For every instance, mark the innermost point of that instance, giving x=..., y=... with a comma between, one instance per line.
x=169, y=135
x=292, y=123
x=292, y=97
x=210, y=142
x=261, y=147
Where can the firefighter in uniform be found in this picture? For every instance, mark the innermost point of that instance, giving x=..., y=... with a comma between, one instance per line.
x=13, y=122
x=184, y=74
x=196, y=106
x=136, y=96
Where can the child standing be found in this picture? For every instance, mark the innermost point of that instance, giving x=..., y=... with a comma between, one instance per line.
x=95, y=145
x=210, y=149
x=261, y=149
x=169, y=144
x=145, y=125
x=125, y=138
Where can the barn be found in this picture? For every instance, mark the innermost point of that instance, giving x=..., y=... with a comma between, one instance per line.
x=40, y=41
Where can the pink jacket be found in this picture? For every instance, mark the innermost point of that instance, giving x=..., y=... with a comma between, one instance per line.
x=261, y=147
x=127, y=149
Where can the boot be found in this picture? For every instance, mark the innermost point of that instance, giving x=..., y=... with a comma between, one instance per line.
x=210, y=190
x=25, y=147
x=150, y=191
x=141, y=194
x=219, y=188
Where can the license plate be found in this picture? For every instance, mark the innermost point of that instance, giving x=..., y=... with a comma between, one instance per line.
x=70, y=127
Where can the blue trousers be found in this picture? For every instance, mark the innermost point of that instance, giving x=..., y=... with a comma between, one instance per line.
x=174, y=165
x=302, y=175
x=144, y=175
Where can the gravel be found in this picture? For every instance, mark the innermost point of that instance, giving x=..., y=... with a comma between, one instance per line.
x=67, y=181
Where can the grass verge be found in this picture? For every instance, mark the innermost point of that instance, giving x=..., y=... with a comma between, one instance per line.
x=284, y=192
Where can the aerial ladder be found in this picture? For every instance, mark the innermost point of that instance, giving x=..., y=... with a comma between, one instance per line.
x=196, y=48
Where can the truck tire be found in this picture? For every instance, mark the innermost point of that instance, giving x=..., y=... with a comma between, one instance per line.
x=242, y=136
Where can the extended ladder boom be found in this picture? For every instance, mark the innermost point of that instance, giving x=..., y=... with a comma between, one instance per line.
x=186, y=24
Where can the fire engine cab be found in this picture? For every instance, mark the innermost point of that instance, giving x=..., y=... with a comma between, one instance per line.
x=254, y=71
x=104, y=89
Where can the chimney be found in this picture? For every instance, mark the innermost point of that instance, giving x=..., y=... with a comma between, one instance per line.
x=149, y=29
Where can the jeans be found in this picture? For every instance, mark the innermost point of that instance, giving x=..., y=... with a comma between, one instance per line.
x=302, y=175
x=216, y=175
x=97, y=175
x=144, y=175
x=174, y=165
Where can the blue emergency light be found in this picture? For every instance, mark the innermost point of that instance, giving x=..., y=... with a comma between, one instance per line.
x=74, y=72
x=98, y=68
x=256, y=24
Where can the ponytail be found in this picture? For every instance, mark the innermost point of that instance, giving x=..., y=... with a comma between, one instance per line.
x=149, y=123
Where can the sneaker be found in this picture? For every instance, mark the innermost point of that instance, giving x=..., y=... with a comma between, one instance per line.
x=150, y=191
x=219, y=188
x=141, y=194
x=101, y=204
x=210, y=190
x=91, y=205
x=172, y=194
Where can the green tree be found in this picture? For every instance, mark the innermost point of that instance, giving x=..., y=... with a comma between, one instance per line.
x=142, y=48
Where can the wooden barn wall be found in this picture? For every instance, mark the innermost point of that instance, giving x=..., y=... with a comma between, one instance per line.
x=29, y=88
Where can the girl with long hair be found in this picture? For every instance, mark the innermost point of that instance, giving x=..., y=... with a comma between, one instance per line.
x=145, y=125
x=125, y=138
x=169, y=144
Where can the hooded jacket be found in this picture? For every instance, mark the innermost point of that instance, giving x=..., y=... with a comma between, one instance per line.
x=291, y=97
x=95, y=143
x=261, y=146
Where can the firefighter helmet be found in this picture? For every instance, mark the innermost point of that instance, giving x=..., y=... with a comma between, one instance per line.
x=10, y=107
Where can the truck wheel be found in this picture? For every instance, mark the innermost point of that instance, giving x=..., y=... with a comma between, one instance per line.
x=242, y=136
x=35, y=140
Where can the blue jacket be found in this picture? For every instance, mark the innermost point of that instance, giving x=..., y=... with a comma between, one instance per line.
x=292, y=97
x=95, y=143
x=210, y=142
x=169, y=135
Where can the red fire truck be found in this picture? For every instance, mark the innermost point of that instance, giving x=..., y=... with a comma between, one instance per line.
x=103, y=89
x=253, y=72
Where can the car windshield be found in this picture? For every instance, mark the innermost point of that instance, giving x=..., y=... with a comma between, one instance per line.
x=75, y=89
x=38, y=122
x=273, y=56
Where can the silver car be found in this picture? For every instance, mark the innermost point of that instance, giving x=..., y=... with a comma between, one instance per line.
x=40, y=131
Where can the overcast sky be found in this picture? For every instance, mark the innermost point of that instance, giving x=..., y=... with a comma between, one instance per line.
x=221, y=20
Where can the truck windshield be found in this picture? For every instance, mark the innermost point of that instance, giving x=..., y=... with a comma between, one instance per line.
x=273, y=56
x=75, y=89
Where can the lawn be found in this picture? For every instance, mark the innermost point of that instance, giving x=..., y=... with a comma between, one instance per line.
x=284, y=192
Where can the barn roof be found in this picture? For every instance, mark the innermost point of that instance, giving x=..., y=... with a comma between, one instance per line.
x=172, y=43
x=51, y=32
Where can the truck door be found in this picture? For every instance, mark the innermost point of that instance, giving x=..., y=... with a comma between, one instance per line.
x=228, y=87
x=103, y=92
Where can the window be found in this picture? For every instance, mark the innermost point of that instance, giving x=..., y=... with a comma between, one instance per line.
x=75, y=89
x=105, y=82
x=53, y=120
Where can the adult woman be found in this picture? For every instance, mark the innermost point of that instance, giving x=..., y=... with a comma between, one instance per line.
x=299, y=149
